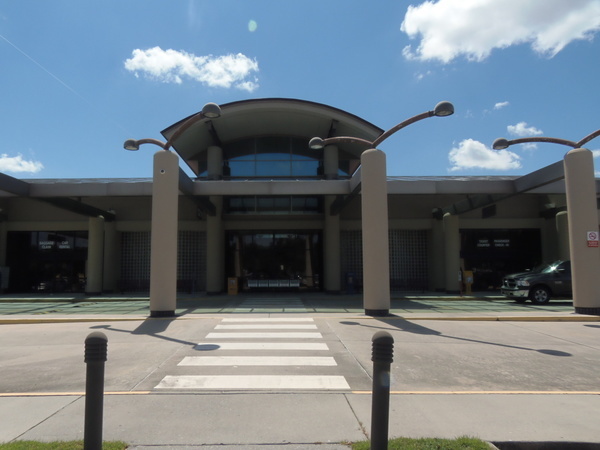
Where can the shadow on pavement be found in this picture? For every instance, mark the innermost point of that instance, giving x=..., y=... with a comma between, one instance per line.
x=411, y=327
x=150, y=327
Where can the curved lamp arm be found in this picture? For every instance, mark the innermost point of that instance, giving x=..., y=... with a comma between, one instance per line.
x=209, y=111
x=133, y=145
x=502, y=143
x=588, y=138
x=442, y=109
x=317, y=143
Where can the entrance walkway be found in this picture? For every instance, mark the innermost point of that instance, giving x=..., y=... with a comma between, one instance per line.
x=402, y=304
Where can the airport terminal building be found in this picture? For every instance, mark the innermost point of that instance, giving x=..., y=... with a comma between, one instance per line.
x=268, y=211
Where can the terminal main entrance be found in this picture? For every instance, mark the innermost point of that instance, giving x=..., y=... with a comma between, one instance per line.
x=275, y=260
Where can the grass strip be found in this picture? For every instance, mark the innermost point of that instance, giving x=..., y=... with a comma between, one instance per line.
x=58, y=445
x=461, y=443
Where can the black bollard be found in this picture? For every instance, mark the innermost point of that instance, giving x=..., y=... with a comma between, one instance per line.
x=95, y=355
x=383, y=355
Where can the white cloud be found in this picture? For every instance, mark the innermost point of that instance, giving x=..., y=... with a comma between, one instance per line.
x=172, y=66
x=472, y=154
x=523, y=130
x=448, y=29
x=501, y=105
x=17, y=164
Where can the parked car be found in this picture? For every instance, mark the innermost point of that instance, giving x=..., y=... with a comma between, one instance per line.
x=539, y=284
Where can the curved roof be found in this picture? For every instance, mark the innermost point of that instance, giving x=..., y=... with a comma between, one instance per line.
x=271, y=117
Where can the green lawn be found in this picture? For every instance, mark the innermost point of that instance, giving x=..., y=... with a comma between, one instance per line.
x=461, y=443
x=59, y=445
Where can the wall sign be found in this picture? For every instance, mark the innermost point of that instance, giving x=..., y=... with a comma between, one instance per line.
x=592, y=239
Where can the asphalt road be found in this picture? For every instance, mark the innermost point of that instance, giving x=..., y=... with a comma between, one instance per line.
x=303, y=379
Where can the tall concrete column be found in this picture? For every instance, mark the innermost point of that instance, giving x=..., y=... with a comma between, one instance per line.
x=451, y=253
x=215, y=249
x=95, y=256
x=3, y=241
x=437, y=276
x=214, y=162
x=332, y=258
x=215, y=235
x=331, y=162
x=562, y=233
x=375, y=240
x=4, y=271
x=163, y=240
x=580, y=186
x=332, y=266
x=112, y=257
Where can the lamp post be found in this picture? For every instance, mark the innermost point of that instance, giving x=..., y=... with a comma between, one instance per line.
x=165, y=198
x=580, y=189
x=374, y=210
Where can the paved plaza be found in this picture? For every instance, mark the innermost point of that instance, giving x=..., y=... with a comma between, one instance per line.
x=294, y=371
x=415, y=303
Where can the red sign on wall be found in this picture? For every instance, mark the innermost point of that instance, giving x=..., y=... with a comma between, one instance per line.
x=592, y=238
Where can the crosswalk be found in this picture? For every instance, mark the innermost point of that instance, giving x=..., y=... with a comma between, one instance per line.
x=271, y=304
x=251, y=353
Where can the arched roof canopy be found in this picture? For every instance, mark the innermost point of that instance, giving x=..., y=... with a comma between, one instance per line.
x=270, y=117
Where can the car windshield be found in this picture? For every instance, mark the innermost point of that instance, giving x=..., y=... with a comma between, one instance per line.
x=547, y=268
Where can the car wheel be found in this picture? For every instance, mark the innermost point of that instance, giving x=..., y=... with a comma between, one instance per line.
x=539, y=295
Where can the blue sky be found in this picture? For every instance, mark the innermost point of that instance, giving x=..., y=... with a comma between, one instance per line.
x=77, y=78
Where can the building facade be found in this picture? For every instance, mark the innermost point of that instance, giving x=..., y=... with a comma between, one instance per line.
x=266, y=210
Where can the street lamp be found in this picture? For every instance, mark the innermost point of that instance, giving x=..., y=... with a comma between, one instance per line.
x=165, y=198
x=374, y=210
x=580, y=189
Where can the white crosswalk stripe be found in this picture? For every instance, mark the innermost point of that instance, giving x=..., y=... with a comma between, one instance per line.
x=257, y=361
x=261, y=335
x=274, y=382
x=248, y=344
x=266, y=319
x=266, y=327
x=270, y=304
x=261, y=346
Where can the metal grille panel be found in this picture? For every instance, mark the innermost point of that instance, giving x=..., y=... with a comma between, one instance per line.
x=408, y=258
x=135, y=261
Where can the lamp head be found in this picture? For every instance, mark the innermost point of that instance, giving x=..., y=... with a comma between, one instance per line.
x=443, y=109
x=316, y=143
x=500, y=144
x=211, y=111
x=131, y=144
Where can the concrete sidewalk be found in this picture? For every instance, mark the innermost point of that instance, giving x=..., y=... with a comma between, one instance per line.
x=304, y=420
x=488, y=368
x=484, y=305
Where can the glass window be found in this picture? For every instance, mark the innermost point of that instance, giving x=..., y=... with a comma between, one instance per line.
x=64, y=242
x=242, y=168
x=271, y=156
x=305, y=168
x=81, y=240
x=273, y=169
x=273, y=205
x=266, y=146
x=46, y=242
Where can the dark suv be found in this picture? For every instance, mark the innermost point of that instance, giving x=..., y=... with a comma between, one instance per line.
x=540, y=283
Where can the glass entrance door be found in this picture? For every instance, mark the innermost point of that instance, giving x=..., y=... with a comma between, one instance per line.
x=272, y=260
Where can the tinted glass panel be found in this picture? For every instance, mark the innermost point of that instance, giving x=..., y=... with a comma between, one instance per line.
x=305, y=168
x=271, y=156
x=272, y=205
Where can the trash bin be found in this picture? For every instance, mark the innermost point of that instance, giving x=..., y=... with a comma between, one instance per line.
x=350, y=282
x=468, y=277
x=232, y=286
